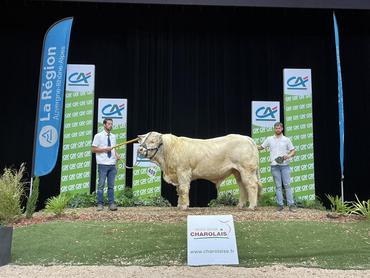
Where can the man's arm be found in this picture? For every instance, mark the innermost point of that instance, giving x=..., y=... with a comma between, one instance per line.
x=290, y=154
x=292, y=150
x=95, y=149
x=95, y=143
x=263, y=145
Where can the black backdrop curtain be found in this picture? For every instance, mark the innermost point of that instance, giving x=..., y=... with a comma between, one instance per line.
x=193, y=71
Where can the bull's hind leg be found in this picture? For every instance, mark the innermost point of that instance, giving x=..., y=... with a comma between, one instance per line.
x=251, y=182
x=243, y=195
x=217, y=184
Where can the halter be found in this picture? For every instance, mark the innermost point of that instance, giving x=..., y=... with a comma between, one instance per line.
x=150, y=149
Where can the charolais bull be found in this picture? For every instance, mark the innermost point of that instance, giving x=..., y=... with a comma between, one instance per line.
x=185, y=159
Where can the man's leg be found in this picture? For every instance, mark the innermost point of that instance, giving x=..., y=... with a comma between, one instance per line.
x=102, y=173
x=111, y=177
x=285, y=174
x=276, y=174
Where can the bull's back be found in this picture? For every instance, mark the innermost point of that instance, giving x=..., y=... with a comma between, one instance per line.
x=232, y=148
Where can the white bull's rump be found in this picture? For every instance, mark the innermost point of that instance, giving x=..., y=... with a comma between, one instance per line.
x=185, y=159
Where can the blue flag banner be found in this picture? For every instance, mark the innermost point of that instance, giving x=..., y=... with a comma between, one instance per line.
x=50, y=97
x=340, y=97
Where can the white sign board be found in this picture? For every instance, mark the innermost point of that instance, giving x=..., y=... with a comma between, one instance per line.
x=80, y=78
x=114, y=108
x=265, y=113
x=297, y=82
x=211, y=240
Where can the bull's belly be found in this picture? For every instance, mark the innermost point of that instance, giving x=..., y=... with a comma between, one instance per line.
x=212, y=174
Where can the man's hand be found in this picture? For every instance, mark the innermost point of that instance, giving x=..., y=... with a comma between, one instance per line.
x=259, y=147
x=118, y=157
x=290, y=155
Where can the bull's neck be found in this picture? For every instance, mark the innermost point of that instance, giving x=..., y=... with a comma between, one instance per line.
x=158, y=158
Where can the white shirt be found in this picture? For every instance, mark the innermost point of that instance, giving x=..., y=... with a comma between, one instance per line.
x=101, y=141
x=279, y=146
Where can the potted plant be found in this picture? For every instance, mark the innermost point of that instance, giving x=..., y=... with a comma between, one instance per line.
x=11, y=191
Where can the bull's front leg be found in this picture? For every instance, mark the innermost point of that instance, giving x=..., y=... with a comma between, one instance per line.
x=178, y=196
x=184, y=178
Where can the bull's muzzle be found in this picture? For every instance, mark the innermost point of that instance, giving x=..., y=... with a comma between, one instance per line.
x=142, y=152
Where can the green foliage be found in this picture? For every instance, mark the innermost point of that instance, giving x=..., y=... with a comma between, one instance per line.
x=337, y=205
x=311, y=204
x=124, y=201
x=157, y=201
x=32, y=200
x=127, y=199
x=57, y=204
x=82, y=200
x=11, y=192
x=127, y=192
x=361, y=208
x=267, y=199
x=227, y=199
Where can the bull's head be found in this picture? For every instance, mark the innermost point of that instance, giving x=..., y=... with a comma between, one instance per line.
x=150, y=144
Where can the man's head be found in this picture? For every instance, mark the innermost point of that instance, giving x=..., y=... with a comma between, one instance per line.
x=278, y=128
x=108, y=124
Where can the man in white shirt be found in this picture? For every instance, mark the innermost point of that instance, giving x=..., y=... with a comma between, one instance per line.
x=106, y=158
x=281, y=153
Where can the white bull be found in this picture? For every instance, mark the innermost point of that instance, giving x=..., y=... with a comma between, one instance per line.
x=185, y=159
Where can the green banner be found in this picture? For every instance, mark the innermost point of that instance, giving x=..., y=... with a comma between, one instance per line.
x=229, y=185
x=146, y=177
x=78, y=125
x=264, y=115
x=299, y=128
x=115, y=109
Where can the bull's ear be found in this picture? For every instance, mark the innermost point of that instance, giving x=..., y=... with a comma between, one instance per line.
x=141, y=138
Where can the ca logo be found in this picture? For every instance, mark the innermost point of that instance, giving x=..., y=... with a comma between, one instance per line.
x=113, y=110
x=266, y=113
x=79, y=79
x=297, y=83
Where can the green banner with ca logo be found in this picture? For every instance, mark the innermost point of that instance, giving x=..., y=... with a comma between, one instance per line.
x=299, y=128
x=78, y=126
x=146, y=177
x=116, y=109
x=264, y=115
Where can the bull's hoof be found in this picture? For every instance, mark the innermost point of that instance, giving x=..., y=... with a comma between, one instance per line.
x=252, y=208
x=183, y=207
x=241, y=206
